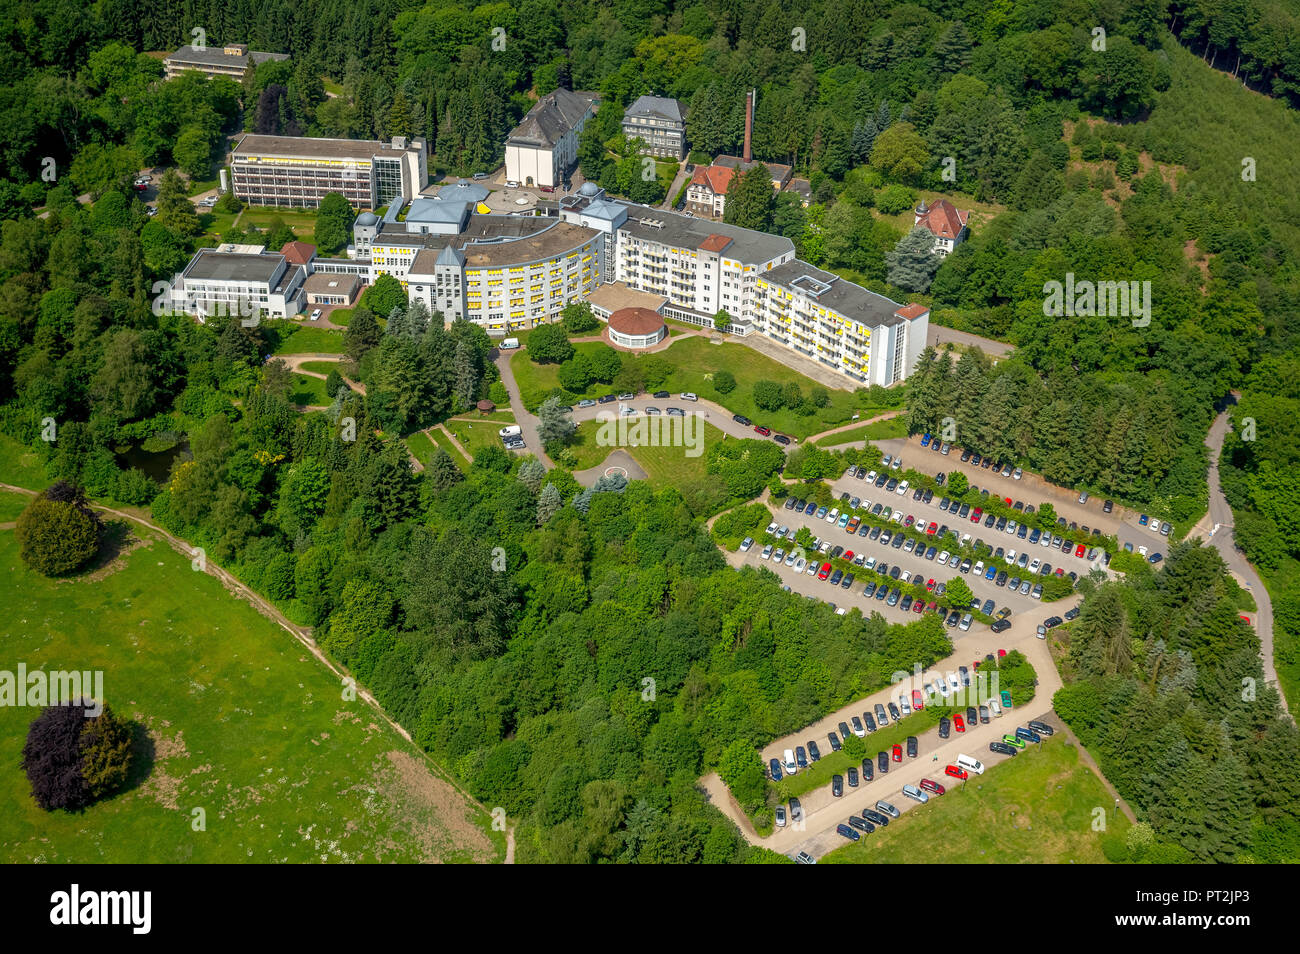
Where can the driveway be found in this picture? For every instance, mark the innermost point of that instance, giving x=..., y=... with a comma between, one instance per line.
x=528, y=422
x=1222, y=539
x=939, y=335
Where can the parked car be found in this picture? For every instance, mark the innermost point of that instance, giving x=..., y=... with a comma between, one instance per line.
x=837, y=785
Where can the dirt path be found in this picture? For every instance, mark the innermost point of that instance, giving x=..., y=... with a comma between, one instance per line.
x=853, y=424
x=268, y=609
x=454, y=443
x=296, y=361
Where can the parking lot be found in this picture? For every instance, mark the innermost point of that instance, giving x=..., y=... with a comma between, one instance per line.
x=1031, y=488
x=822, y=811
x=910, y=564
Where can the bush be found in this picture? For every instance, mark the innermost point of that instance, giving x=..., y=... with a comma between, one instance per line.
x=724, y=382
x=58, y=532
x=549, y=345
x=71, y=760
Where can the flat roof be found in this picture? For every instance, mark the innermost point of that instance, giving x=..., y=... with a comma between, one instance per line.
x=208, y=265
x=617, y=295
x=217, y=56
x=331, y=281
x=308, y=147
x=839, y=295
x=493, y=241
x=685, y=231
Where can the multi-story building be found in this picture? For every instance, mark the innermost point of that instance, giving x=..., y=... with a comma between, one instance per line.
x=701, y=267
x=543, y=148
x=230, y=60
x=658, y=123
x=860, y=334
x=707, y=193
x=242, y=281
x=298, y=171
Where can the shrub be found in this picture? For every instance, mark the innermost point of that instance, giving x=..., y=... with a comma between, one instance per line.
x=58, y=532
x=72, y=760
x=724, y=382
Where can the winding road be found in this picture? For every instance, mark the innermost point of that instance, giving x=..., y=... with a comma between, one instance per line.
x=1220, y=535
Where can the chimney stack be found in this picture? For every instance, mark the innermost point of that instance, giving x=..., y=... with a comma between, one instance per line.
x=749, y=123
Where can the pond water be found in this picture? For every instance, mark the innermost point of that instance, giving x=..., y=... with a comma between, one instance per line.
x=157, y=464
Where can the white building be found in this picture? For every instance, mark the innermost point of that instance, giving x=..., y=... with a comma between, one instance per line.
x=298, y=171
x=946, y=223
x=239, y=280
x=542, y=149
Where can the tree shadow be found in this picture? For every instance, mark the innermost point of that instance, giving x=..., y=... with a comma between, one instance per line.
x=143, y=755
x=115, y=538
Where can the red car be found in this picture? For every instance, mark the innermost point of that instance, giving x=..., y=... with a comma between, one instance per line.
x=1001, y=653
x=933, y=606
x=765, y=431
x=934, y=787
x=929, y=584
x=1080, y=550
x=909, y=521
x=976, y=514
x=824, y=572
x=919, y=606
x=958, y=722
x=897, y=753
x=1060, y=571
x=1008, y=500
x=918, y=701
x=956, y=771
x=932, y=528
x=848, y=555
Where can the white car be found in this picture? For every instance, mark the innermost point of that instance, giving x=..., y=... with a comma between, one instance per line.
x=1142, y=551
x=778, y=556
x=512, y=184
x=978, y=567
x=833, y=515
x=1012, y=527
x=1018, y=473
x=904, y=706
x=1035, y=565
x=144, y=180
x=781, y=531
x=813, y=567
x=745, y=544
x=512, y=430
x=771, y=529
x=688, y=396
x=942, y=687
x=315, y=315
x=902, y=488
x=767, y=552
x=954, y=681
x=897, y=464
x=943, y=557
x=790, y=558
x=1010, y=557
x=840, y=611
x=872, y=475
x=799, y=564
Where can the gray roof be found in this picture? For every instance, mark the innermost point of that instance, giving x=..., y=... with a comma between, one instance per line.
x=685, y=231
x=450, y=256
x=840, y=295
x=552, y=117
x=309, y=147
x=462, y=191
x=778, y=172
x=217, y=56
x=367, y=218
x=208, y=265
x=431, y=210
x=656, y=106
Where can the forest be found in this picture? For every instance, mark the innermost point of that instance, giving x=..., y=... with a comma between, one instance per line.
x=530, y=682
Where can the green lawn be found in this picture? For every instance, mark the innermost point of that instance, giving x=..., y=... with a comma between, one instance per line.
x=320, y=367
x=439, y=441
x=1037, y=808
x=666, y=466
x=879, y=431
x=476, y=436
x=20, y=465
x=235, y=717
x=420, y=446
x=340, y=316
x=306, y=340
x=302, y=221
x=695, y=360
x=308, y=390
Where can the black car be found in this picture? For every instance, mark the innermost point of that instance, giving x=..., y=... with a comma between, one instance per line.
x=943, y=504
x=1042, y=728
x=781, y=439
x=868, y=770
x=847, y=581
x=1072, y=612
x=875, y=532
x=857, y=726
x=774, y=769
x=848, y=831
x=929, y=554
x=1001, y=523
x=607, y=398
x=836, y=577
x=965, y=456
x=882, y=593
x=869, y=590
x=964, y=510
x=893, y=712
x=944, y=727
x=895, y=572
x=1108, y=506
x=861, y=824
x=918, y=493
x=991, y=519
x=836, y=745
x=869, y=721
x=814, y=753
x=789, y=503
x=844, y=730
x=882, y=762
x=954, y=618
x=853, y=777
x=972, y=716
x=796, y=810
x=929, y=496
x=871, y=815
x=800, y=757
x=742, y=420
x=912, y=747
x=836, y=552
x=892, y=484
x=661, y=394
x=837, y=785
x=1002, y=748
x=1001, y=626
x=881, y=480
x=964, y=674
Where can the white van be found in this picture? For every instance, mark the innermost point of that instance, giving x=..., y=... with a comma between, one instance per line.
x=994, y=707
x=965, y=622
x=513, y=430
x=970, y=764
x=790, y=766
x=509, y=344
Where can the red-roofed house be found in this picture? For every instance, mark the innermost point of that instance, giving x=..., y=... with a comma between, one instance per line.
x=945, y=221
x=707, y=193
x=298, y=253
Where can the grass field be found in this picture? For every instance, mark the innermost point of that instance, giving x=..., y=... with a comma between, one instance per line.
x=320, y=367
x=340, y=316
x=439, y=441
x=694, y=362
x=879, y=431
x=308, y=391
x=234, y=717
x=476, y=436
x=305, y=340
x=665, y=466
x=420, y=446
x=302, y=222
x=1037, y=808
x=20, y=465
